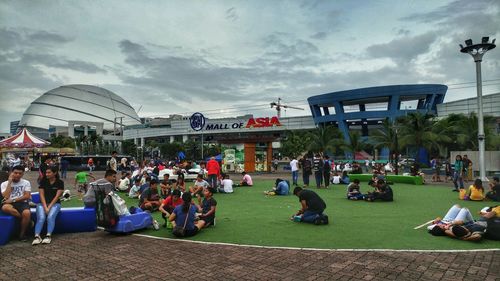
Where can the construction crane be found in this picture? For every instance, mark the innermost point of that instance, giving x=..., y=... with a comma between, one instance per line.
x=279, y=105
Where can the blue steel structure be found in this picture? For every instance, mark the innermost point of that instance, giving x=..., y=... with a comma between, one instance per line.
x=329, y=108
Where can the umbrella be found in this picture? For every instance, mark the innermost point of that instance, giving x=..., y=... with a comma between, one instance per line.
x=23, y=139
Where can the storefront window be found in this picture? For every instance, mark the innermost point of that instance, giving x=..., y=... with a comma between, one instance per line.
x=261, y=159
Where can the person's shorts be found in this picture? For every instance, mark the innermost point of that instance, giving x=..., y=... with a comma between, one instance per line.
x=21, y=206
x=82, y=187
x=208, y=220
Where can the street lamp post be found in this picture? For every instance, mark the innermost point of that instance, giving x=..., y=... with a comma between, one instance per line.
x=477, y=51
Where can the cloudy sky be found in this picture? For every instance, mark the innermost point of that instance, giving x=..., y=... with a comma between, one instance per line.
x=235, y=57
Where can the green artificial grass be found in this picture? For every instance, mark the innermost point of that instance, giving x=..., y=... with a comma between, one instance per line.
x=249, y=217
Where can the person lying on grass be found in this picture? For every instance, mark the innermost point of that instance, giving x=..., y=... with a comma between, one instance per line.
x=197, y=189
x=458, y=223
x=353, y=192
x=168, y=205
x=281, y=187
x=312, y=207
x=382, y=192
x=184, y=215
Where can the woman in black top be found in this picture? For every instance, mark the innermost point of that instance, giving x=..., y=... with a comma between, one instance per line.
x=51, y=189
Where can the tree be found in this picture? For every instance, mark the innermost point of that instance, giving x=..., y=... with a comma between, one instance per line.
x=386, y=137
x=466, y=130
x=193, y=149
x=295, y=143
x=416, y=129
x=356, y=143
x=170, y=150
x=62, y=141
x=129, y=147
x=325, y=138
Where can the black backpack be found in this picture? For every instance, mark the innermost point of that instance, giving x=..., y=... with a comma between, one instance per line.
x=493, y=229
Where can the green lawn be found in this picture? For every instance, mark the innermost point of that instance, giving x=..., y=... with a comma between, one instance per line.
x=250, y=217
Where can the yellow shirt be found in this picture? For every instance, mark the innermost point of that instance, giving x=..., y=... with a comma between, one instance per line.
x=476, y=193
x=496, y=210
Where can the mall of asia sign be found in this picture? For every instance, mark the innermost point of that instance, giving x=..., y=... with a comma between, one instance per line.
x=198, y=122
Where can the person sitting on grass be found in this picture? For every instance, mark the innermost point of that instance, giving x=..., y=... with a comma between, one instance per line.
x=246, y=180
x=281, y=187
x=107, y=184
x=165, y=186
x=208, y=207
x=168, y=205
x=353, y=192
x=476, y=191
x=197, y=189
x=150, y=199
x=181, y=184
x=124, y=184
x=383, y=192
x=15, y=193
x=312, y=207
x=226, y=185
x=81, y=182
x=494, y=193
x=345, y=178
x=134, y=190
x=184, y=215
x=51, y=189
x=336, y=179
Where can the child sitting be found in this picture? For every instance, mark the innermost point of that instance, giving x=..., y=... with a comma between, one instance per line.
x=134, y=190
x=226, y=185
x=353, y=192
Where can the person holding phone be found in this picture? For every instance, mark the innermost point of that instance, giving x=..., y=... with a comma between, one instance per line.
x=15, y=192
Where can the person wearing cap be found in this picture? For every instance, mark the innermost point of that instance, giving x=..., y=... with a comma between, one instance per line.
x=150, y=199
x=494, y=193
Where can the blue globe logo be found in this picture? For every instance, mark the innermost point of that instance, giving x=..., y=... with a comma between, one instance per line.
x=197, y=121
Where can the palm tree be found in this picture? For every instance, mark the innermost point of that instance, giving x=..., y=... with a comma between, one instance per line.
x=325, y=138
x=295, y=143
x=466, y=130
x=387, y=136
x=416, y=129
x=356, y=143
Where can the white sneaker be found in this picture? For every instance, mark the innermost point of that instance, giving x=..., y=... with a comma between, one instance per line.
x=37, y=241
x=47, y=239
x=156, y=225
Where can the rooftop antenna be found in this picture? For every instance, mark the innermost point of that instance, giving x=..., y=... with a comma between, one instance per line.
x=279, y=106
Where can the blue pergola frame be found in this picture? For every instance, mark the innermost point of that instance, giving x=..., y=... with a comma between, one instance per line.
x=428, y=96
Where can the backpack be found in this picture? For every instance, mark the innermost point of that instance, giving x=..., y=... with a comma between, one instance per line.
x=105, y=210
x=493, y=229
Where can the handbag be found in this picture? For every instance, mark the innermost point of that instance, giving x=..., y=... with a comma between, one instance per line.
x=181, y=231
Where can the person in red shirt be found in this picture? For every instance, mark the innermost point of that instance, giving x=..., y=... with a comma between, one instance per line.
x=213, y=171
x=168, y=205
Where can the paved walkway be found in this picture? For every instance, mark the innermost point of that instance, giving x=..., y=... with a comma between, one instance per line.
x=103, y=256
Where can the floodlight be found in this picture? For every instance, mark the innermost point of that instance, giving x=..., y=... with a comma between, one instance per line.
x=485, y=40
x=468, y=42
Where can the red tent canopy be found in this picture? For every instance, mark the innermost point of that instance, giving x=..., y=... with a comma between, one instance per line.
x=23, y=139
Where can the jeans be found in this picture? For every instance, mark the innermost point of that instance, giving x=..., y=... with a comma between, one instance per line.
x=318, y=175
x=310, y=216
x=212, y=180
x=326, y=178
x=457, y=178
x=51, y=218
x=295, y=177
x=457, y=213
x=305, y=178
x=63, y=173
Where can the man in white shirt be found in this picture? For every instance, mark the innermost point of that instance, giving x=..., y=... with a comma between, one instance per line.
x=15, y=193
x=227, y=185
x=294, y=164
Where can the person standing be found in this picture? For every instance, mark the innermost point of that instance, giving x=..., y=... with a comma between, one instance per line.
x=113, y=163
x=90, y=165
x=327, y=168
x=294, y=165
x=306, y=170
x=458, y=181
x=318, y=170
x=213, y=170
x=107, y=184
x=64, y=164
x=16, y=191
x=467, y=168
x=51, y=189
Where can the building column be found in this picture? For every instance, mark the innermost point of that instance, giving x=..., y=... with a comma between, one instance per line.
x=184, y=138
x=172, y=139
x=142, y=142
x=71, y=129
x=85, y=130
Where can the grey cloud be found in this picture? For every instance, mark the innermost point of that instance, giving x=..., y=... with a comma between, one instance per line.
x=454, y=9
x=319, y=35
x=403, y=49
x=47, y=37
x=231, y=14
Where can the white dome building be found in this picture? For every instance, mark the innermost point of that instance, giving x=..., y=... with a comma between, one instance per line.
x=78, y=103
